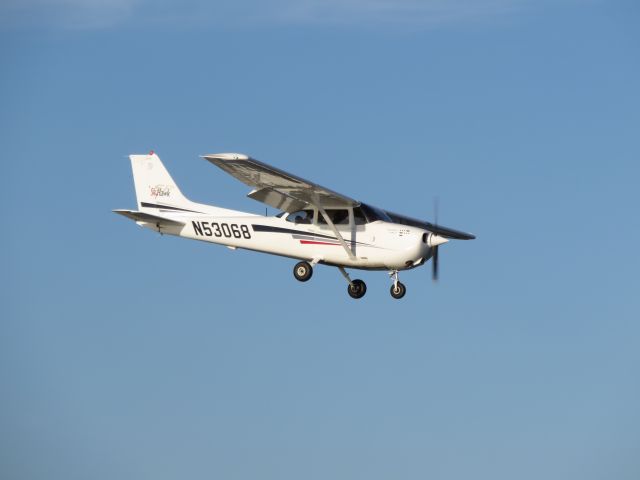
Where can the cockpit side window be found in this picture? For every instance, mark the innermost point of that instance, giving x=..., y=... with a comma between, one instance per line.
x=304, y=217
x=341, y=217
x=337, y=216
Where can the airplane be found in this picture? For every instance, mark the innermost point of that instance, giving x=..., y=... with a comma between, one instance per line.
x=315, y=225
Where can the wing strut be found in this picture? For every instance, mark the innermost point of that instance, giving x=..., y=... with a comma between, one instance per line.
x=335, y=231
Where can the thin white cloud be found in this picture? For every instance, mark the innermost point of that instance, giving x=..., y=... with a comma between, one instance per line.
x=398, y=12
x=91, y=14
x=81, y=14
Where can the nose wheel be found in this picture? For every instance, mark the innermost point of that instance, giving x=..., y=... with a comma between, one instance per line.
x=398, y=289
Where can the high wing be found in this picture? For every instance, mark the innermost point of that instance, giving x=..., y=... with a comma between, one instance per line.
x=276, y=187
x=437, y=229
x=291, y=193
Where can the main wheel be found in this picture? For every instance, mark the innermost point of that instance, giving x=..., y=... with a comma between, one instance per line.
x=302, y=271
x=398, y=291
x=357, y=289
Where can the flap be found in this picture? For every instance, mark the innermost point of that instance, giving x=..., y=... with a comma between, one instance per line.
x=276, y=199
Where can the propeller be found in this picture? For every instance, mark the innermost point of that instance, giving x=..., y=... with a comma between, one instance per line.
x=435, y=239
x=434, y=265
x=434, y=259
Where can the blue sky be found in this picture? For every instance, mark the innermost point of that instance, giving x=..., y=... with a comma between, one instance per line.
x=129, y=355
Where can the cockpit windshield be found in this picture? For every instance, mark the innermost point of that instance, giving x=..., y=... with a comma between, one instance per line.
x=372, y=213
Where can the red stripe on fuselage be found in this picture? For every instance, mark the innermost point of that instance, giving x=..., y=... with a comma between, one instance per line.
x=311, y=242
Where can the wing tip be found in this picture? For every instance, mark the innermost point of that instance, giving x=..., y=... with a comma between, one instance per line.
x=225, y=156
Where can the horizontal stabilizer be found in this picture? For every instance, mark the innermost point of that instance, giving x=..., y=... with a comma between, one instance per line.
x=148, y=218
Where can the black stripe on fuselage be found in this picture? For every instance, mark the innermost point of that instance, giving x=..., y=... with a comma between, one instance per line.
x=267, y=228
x=166, y=207
x=301, y=234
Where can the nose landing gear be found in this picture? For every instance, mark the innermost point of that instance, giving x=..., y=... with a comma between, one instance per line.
x=397, y=289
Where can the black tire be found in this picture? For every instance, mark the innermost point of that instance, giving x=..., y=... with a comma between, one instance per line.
x=399, y=291
x=302, y=271
x=357, y=289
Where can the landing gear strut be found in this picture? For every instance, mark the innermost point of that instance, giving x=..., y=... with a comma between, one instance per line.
x=357, y=288
x=302, y=271
x=397, y=289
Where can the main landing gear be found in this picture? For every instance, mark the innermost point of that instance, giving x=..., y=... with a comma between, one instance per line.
x=302, y=271
x=356, y=288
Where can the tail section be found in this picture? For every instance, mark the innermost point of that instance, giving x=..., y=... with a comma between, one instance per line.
x=158, y=194
x=154, y=186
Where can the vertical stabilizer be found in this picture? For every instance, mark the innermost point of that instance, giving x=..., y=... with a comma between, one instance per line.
x=154, y=185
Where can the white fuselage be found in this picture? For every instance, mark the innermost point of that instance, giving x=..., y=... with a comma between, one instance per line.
x=378, y=245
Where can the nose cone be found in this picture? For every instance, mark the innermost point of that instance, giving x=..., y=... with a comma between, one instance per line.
x=434, y=240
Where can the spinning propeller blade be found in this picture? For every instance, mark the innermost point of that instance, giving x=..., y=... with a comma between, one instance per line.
x=434, y=265
x=434, y=259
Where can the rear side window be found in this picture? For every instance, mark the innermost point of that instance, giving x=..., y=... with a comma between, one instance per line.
x=304, y=217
